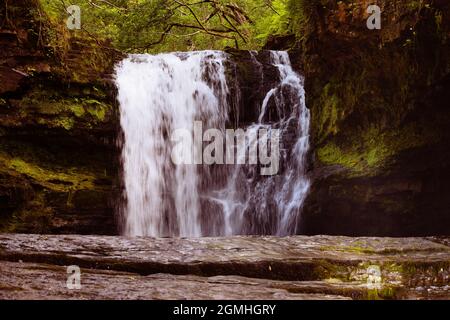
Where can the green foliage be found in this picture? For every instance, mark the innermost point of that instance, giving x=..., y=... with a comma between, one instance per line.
x=300, y=12
x=270, y=24
x=177, y=25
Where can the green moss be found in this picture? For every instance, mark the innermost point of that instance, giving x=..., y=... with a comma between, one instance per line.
x=60, y=106
x=383, y=293
x=78, y=110
x=56, y=180
x=329, y=115
x=97, y=109
x=59, y=110
x=64, y=122
x=373, y=149
x=331, y=154
x=59, y=122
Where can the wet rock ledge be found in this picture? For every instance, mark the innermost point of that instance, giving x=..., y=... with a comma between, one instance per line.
x=322, y=267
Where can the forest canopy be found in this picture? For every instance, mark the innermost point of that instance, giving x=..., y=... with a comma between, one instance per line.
x=177, y=25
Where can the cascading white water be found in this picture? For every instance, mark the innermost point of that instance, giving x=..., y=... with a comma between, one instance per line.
x=159, y=94
x=255, y=205
x=162, y=93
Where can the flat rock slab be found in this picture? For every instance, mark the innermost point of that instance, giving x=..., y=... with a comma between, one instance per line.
x=296, y=267
x=39, y=281
x=292, y=258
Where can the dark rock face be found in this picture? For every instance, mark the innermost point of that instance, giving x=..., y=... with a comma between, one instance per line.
x=58, y=126
x=380, y=117
x=251, y=76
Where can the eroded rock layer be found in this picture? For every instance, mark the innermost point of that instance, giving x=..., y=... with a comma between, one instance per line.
x=32, y=266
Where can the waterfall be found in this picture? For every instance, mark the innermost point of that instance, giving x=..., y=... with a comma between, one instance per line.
x=159, y=94
x=271, y=206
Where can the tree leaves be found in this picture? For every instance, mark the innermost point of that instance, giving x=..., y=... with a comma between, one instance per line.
x=172, y=25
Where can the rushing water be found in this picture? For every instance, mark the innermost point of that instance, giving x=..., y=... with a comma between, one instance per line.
x=162, y=93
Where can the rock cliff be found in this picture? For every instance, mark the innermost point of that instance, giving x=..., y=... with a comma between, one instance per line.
x=57, y=127
x=380, y=127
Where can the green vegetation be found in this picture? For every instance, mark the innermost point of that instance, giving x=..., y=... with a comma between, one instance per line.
x=176, y=25
x=301, y=12
x=48, y=107
x=61, y=180
x=372, y=150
